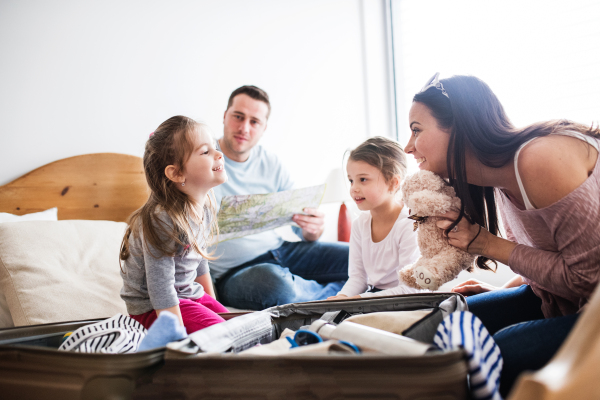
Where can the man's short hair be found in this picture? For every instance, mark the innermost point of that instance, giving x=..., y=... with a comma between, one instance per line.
x=253, y=92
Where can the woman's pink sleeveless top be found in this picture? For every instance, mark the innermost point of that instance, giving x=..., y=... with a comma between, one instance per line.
x=558, y=251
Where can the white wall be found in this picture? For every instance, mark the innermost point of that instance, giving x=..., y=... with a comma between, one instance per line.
x=86, y=77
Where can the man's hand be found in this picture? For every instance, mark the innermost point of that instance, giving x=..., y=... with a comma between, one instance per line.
x=312, y=224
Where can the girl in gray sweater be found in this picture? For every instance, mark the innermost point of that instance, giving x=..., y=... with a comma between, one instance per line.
x=165, y=263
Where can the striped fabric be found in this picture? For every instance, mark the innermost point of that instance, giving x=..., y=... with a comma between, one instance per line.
x=464, y=330
x=119, y=334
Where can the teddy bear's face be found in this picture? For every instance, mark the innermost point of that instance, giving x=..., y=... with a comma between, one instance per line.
x=428, y=203
x=420, y=181
x=426, y=194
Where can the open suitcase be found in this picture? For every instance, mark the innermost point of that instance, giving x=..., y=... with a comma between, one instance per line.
x=441, y=376
x=31, y=367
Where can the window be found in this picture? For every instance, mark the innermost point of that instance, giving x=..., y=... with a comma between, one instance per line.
x=541, y=58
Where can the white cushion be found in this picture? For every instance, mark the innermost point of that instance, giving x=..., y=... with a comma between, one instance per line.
x=6, y=320
x=61, y=271
x=48, y=215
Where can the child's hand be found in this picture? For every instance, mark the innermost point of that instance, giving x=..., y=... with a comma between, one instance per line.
x=339, y=296
x=472, y=287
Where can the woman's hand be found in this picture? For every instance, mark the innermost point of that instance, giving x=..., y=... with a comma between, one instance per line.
x=468, y=237
x=473, y=286
x=475, y=239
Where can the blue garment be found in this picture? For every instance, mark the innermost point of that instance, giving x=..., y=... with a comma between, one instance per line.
x=464, y=330
x=261, y=173
x=295, y=272
x=165, y=329
x=527, y=341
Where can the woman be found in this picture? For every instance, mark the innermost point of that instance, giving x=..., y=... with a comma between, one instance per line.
x=545, y=181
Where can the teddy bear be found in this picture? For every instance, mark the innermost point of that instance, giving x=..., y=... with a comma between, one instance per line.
x=427, y=194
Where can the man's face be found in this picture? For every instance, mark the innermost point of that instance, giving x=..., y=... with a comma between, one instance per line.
x=244, y=123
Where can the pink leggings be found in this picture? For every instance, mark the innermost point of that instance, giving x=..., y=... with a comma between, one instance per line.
x=196, y=314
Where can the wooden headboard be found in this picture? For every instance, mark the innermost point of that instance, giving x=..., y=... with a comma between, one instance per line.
x=102, y=186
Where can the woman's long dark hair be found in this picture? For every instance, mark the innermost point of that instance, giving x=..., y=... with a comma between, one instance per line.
x=476, y=120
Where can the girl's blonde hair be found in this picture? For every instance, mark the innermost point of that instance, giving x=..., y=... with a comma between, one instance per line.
x=384, y=154
x=171, y=144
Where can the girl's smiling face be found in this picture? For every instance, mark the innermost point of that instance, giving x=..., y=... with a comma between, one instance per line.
x=368, y=187
x=428, y=142
x=205, y=168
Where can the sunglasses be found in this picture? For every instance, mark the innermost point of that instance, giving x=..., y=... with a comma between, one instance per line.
x=435, y=82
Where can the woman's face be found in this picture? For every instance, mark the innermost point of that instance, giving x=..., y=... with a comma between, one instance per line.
x=428, y=143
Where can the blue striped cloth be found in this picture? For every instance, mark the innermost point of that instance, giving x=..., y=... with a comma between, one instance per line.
x=464, y=330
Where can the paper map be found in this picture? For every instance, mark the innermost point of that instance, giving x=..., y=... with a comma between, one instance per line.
x=243, y=215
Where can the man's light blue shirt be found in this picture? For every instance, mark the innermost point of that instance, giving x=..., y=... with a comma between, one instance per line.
x=261, y=173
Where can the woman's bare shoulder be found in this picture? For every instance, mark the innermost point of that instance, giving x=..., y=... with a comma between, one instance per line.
x=551, y=167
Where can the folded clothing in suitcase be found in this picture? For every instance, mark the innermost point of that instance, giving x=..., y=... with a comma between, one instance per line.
x=32, y=367
x=199, y=367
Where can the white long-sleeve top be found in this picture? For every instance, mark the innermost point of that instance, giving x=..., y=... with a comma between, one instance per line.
x=377, y=264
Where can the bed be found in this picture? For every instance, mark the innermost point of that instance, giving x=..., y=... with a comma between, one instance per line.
x=65, y=267
x=102, y=186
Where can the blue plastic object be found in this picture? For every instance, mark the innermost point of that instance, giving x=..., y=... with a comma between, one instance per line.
x=305, y=337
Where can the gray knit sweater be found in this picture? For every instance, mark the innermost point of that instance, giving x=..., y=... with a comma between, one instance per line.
x=151, y=283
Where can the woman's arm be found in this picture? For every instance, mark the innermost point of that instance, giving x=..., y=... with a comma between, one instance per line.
x=552, y=167
x=552, y=271
x=546, y=268
x=516, y=281
x=206, y=282
x=475, y=239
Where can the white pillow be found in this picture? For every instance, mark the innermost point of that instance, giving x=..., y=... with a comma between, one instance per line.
x=6, y=320
x=61, y=271
x=48, y=215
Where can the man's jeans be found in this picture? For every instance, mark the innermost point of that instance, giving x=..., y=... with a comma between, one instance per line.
x=295, y=272
x=526, y=339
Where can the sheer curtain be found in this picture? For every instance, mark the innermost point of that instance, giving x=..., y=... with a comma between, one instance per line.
x=541, y=58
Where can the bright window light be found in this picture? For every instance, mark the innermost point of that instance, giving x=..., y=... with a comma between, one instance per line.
x=541, y=58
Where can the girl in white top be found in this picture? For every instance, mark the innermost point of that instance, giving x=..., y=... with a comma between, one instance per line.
x=382, y=240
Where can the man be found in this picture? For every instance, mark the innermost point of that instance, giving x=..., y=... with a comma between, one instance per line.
x=262, y=270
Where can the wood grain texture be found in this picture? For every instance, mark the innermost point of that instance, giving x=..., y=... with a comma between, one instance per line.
x=102, y=186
